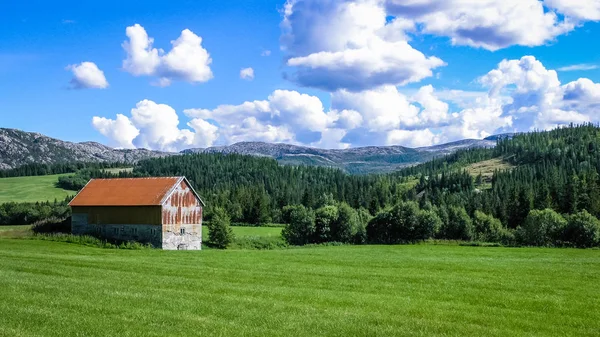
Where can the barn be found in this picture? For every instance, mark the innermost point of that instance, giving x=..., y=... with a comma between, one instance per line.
x=165, y=212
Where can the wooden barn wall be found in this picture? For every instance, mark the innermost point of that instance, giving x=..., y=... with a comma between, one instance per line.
x=127, y=215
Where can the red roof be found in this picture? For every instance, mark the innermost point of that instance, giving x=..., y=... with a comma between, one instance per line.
x=126, y=192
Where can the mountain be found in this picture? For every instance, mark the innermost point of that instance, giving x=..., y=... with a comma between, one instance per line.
x=360, y=160
x=19, y=147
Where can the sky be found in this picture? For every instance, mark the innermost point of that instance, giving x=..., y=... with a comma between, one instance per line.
x=332, y=74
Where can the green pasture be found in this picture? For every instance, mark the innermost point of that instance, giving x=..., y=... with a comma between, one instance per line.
x=31, y=189
x=59, y=289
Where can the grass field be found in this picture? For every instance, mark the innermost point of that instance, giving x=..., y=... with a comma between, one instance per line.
x=118, y=170
x=57, y=289
x=31, y=189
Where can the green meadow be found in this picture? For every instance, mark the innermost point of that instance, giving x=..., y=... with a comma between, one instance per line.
x=60, y=289
x=31, y=189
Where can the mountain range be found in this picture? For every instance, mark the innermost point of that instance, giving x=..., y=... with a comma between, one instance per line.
x=19, y=147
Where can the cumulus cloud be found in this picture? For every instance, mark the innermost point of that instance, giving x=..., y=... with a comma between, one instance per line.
x=349, y=45
x=265, y=52
x=155, y=126
x=87, y=75
x=488, y=24
x=537, y=97
x=120, y=131
x=582, y=10
x=247, y=74
x=186, y=61
x=522, y=95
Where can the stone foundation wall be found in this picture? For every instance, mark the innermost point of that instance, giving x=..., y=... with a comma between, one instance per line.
x=182, y=237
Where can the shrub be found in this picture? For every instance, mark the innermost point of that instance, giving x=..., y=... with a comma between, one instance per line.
x=401, y=224
x=300, y=228
x=429, y=224
x=91, y=241
x=325, y=219
x=487, y=228
x=347, y=227
x=458, y=226
x=52, y=225
x=542, y=228
x=583, y=230
x=379, y=228
x=220, y=234
x=361, y=231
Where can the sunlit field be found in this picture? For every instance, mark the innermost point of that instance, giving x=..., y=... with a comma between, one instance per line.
x=59, y=289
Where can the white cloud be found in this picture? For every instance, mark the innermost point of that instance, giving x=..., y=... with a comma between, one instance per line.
x=87, y=75
x=412, y=138
x=247, y=74
x=489, y=24
x=120, y=131
x=154, y=126
x=278, y=119
x=582, y=10
x=538, y=100
x=578, y=67
x=382, y=109
x=522, y=95
x=349, y=45
x=265, y=53
x=332, y=139
x=186, y=61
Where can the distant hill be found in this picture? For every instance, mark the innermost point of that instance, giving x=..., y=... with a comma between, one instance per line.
x=370, y=159
x=19, y=147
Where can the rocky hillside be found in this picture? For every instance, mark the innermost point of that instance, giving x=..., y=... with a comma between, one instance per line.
x=371, y=159
x=19, y=147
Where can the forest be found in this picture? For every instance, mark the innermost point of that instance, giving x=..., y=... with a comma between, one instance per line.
x=552, y=188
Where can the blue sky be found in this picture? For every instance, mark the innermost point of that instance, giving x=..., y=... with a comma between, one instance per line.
x=338, y=73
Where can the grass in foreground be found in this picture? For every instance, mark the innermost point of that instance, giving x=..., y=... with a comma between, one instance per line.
x=31, y=189
x=58, y=289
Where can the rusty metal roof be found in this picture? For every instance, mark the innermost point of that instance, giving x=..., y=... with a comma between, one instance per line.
x=126, y=191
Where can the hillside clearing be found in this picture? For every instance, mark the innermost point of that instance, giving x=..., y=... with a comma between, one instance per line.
x=32, y=189
x=57, y=289
x=118, y=170
x=487, y=167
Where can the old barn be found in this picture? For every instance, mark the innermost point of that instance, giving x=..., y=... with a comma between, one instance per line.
x=165, y=212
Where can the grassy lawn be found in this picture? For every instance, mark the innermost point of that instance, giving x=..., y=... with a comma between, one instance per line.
x=31, y=189
x=57, y=289
x=118, y=170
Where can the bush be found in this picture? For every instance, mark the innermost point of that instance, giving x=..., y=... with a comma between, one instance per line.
x=347, y=227
x=583, y=230
x=364, y=217
x=403, y=223
x=429, y=224
x=220, y=234
x=52, y=225
x=379, y=229
x=458, y=226
x=542, y=228
x=300, y=228
x=487, y=228
x=325, y=219
x=91, y=241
